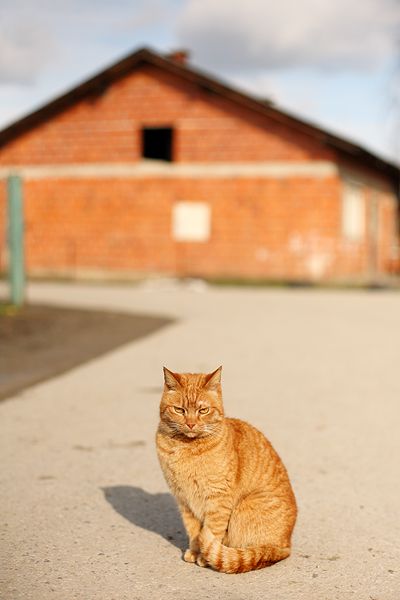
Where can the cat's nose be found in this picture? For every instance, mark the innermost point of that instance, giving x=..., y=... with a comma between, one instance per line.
x=191, y=425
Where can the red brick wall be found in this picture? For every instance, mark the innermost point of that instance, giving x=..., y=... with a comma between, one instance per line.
x=287, y=228
x=387, y=250
x=106, y=128
x=376, y=252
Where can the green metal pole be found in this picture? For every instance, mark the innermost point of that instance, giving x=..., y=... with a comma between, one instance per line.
x=16, y=240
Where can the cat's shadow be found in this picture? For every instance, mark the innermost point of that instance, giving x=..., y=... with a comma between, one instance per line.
x=155, y=512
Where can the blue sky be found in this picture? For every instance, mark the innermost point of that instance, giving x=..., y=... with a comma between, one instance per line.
x=333, y=63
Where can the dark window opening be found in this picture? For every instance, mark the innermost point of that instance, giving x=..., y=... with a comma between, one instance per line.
x=157, y=143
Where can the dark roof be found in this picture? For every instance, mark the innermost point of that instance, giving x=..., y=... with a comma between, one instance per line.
x=121, y=68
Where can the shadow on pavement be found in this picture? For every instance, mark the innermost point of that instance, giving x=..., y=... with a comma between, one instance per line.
x=39, y=342
x=155, y=512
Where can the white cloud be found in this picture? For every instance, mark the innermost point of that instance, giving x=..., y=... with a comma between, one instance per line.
x=24, y=50
x=277, y=89
x=237, y=35
x=33, y=35
x=148, y=14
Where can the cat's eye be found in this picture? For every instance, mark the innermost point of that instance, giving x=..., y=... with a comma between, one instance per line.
x=204, y=411
x=179, y=410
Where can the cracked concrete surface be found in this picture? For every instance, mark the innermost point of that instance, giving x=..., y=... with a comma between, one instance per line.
x=85, y=511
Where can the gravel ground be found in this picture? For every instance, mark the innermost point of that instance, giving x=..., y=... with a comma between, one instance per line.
x=85, y=511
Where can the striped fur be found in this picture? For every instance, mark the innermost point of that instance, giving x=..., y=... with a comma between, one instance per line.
x=232, y=488
x=237, y=560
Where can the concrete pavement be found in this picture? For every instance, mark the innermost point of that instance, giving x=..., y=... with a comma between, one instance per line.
x=85, y=511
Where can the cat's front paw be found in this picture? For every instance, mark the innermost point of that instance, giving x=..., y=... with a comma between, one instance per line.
x=201, y=561
x=190, y=556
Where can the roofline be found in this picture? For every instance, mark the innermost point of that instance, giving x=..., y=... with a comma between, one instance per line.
x=101, y=80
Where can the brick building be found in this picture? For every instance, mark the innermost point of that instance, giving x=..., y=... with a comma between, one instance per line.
x=153, y=167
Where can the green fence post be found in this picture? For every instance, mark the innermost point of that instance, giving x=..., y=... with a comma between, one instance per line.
x=16, y=240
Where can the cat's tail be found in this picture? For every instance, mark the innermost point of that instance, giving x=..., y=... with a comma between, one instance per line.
x=238, y=560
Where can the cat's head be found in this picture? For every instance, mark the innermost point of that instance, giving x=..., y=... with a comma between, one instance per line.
x=191, y=404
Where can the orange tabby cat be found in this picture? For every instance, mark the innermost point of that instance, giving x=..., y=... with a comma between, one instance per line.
x=232, y=489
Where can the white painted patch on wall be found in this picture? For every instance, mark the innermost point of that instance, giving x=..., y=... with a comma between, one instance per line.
x=353, y=212
x=262, y=254
x=315, y=251
x=317, y=264
x=191, y=222
x=296, y=244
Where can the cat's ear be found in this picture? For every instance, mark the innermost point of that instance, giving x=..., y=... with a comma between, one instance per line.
x=213, y=380
x=171, y=380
